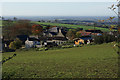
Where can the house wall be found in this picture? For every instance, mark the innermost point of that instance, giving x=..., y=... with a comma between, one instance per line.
x=79, y=41
x=60, y=42
x=57, y=41
x=29, y=44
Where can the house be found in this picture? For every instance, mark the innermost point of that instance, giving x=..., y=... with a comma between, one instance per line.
x=95, y=32
x=57, y=36
x=60, y=34
x=83, y=33
x=57, y=40
x=34, y=36
x=54, y=35
x=83, y=40
x=54, y=32
x=32, y=42
x=51, y=32
x=54, y=29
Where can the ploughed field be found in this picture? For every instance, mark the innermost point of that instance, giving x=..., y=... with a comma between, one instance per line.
x=93, y=61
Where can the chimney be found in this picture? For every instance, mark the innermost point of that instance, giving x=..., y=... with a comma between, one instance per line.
x=59, y=30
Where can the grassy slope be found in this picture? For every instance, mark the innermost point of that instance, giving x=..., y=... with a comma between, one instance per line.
x=70, y=26
x=83, y=62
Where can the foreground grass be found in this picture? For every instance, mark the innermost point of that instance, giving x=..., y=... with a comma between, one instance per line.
x=96, y=61
x=71, y=26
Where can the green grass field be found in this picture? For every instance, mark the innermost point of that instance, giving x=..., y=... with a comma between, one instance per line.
x=66, y=25
x=95, y=61
x=71, y=26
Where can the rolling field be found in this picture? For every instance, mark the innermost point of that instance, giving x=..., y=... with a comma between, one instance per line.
x=95, y=61
x=70, y=26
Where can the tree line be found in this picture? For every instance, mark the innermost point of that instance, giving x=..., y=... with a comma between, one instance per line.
x=20, y=27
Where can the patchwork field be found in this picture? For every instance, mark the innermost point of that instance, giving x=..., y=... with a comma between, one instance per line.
x=96, y=61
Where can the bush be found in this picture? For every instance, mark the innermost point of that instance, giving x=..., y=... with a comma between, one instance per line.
x=42, y=49
x=78, y=46
x=105, y=38
x=108, y=38
x=98, y=40
x=67, y=46
x=16, y=44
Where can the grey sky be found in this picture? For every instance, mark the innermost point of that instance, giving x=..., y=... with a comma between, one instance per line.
x=58, y=0
x=57, y=9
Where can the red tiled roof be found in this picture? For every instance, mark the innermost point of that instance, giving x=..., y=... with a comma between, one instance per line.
x=95, y=33
x=85, y=33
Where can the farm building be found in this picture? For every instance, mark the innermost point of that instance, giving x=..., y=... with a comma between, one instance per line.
x=83, y=40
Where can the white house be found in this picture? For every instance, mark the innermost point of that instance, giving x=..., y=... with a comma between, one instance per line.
x=32, y=43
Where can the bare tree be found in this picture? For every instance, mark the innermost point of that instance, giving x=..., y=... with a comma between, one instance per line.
x=116, y=9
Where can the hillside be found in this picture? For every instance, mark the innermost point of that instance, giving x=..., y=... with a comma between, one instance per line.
x=96, y=61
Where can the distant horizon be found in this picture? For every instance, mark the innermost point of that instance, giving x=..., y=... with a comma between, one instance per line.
x=37, y=18
x=55, y=16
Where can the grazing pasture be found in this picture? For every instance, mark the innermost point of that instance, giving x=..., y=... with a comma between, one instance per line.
x=90, y=61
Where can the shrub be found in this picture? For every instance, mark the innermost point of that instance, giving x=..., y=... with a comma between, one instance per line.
x=98, y=40
x=16, y=44
x=42, y=49
x=78, y=46
x=105, y=38
x=108, y=38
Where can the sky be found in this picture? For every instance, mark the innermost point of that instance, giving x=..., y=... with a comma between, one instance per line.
x=56, y=8
x=58, y=0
